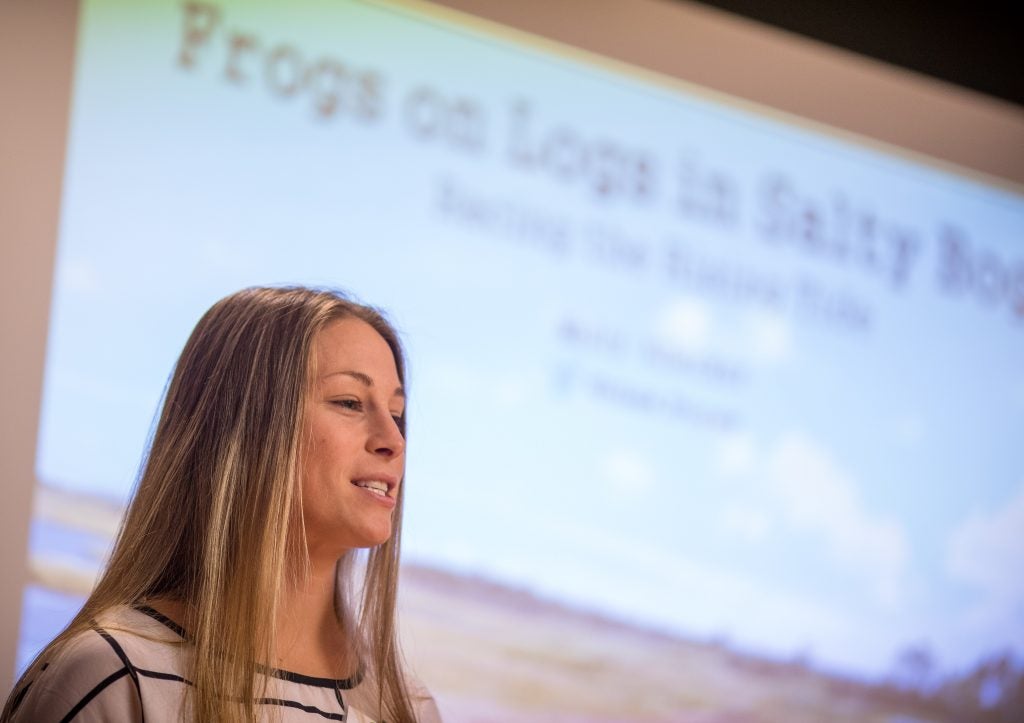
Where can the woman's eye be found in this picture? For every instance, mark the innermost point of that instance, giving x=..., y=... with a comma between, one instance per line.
x=353, y=404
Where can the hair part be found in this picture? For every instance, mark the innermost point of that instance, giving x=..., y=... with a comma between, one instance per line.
x=216, y=518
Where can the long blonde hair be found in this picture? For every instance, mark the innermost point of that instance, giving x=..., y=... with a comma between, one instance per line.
x=215, y=521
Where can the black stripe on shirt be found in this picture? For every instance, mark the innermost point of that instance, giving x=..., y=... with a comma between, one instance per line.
x=127, y=664
x=300, y=706
x=345, y=684
x=161, y=618
x=88, y=697
x=20, y=695
x=163, y=676
x=264, y=701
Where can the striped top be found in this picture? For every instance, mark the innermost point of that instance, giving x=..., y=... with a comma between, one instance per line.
x=130, y=667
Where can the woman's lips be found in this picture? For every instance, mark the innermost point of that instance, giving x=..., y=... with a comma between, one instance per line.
x=379, y=488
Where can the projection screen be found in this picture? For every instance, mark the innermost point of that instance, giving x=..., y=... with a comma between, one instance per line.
x=713, y=409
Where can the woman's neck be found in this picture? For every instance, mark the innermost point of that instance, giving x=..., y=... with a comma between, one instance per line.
x=309, y=637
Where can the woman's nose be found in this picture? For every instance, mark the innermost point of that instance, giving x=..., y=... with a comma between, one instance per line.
x=387, y=439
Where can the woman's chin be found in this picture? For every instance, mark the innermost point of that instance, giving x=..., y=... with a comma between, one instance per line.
x=374, y=538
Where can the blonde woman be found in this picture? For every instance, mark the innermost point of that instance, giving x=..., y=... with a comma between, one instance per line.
x=237, y=589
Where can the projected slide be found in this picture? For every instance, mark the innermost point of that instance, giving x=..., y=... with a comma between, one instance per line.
x=710, y=413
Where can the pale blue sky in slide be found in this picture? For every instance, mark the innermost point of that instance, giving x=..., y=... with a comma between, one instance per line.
x=642, y=379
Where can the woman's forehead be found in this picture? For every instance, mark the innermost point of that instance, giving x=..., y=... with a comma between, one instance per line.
x=351, y=347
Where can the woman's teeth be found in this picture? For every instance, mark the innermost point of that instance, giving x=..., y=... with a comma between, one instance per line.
x=380, y=488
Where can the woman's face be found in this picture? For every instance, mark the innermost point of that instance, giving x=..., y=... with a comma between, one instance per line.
x=356, y=455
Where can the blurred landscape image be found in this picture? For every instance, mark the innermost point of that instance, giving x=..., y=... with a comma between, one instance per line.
x=490, y=652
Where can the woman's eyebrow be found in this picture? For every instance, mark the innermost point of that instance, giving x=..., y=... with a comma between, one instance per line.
x=365, y=379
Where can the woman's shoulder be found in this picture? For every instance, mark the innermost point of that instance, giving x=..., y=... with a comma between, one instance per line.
x=94, y=675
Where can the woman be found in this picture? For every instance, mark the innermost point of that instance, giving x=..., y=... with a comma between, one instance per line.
x=235, y=590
